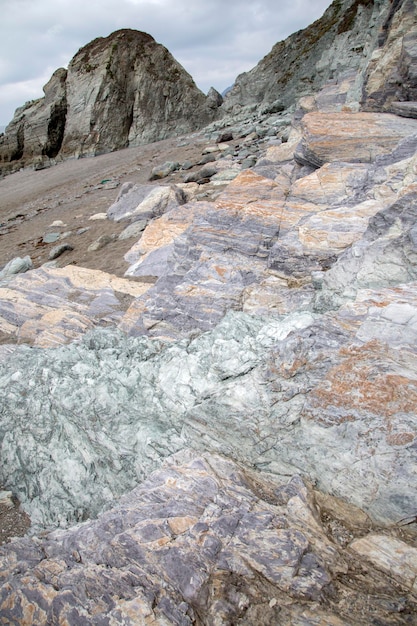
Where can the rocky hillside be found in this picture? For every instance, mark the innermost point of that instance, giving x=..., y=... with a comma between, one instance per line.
x=225, y=433
x=121, y=90
x=365, y=49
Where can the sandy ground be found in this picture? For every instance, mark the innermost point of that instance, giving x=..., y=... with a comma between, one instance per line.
x=71, y=192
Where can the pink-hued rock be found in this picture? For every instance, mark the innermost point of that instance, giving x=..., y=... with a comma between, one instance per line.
x=351, y=137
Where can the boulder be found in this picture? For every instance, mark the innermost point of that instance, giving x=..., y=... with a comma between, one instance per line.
x=143, y=202
x=16, y=266
x=76, y=117
x=352, y=137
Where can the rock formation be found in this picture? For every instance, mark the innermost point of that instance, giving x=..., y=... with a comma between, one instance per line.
x=227, y=435
x=127, y=73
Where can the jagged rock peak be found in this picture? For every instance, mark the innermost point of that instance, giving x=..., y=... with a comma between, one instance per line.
x=124, y=89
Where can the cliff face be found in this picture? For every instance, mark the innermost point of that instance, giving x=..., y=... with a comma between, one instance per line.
x=126, y=90
x=368, y=48
x=121, y=90
x=391, y=75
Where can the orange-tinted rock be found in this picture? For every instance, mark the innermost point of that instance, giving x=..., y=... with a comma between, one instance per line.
x=351, y=137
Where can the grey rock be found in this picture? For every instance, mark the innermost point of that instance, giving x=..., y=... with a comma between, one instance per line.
x=207, y=158
x=155, y=264
x=101, y=242
x=204, y=536
x=16, y=266
x=214, y=98
x=164, y=170
x=206, y=172
x=303, y=63
x=115, y=75
x=58, y=250
x=405, y=109
x=142, y=202
x=51, y=237
x=133, y=230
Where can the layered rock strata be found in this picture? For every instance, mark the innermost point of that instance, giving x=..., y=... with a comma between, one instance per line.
x=121, y=90
x=278, y=333
x=205, y=541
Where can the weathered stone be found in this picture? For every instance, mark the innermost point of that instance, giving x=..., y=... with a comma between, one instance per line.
x=101, y=242
x=391, y=555
x=51, y=237
x=58, y=250
x=200, y=536
x=16, y=266
x=54, y=306
x=77, y=116
x=161, y=171
x=391, y=72
x=133, y=230
x=307, y=60
x=139, y=202
x=351, y=137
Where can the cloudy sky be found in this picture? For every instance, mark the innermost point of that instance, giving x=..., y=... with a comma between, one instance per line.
x=215, y=40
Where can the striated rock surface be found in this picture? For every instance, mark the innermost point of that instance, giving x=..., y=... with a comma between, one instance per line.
x=52, y=306
x=391, y=76
x=204, y=541
x=262, y=341
x=334, y=47
x=126, y=72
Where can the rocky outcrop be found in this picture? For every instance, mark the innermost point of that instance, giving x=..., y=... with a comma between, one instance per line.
x=391, y=76
x=270, y=346
x=121, y=90
x=36, y=132
x=334, y=48
x=205, y=541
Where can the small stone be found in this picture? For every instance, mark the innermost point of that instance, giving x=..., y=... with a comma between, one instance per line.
x=133, y=230
x=16, y=266
x=81, y=231
x=6, y=499
x=273, y=602
x=161, y=171
x=58, y=250
x=51, y=237
x=100, y=243
x=98, y=216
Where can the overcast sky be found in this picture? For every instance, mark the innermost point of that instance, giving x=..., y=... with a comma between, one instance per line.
x=215, y=40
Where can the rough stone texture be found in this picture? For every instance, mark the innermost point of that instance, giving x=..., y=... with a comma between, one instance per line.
x=37, y=129
x=392, y=71
x=143, y=202
x=50, y=306
x=126, y=72
x=308, y=59
x=204, y=541
x=351, y=137
x=279, y=332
